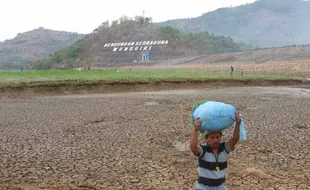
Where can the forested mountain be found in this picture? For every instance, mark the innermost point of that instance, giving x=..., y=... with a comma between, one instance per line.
x=264, y=23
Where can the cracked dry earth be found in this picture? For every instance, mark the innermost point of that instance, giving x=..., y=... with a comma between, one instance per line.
x=138, y=140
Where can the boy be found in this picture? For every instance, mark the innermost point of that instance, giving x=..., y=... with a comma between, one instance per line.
x=212, y=156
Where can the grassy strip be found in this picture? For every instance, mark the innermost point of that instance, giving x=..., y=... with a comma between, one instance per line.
x=126, y=75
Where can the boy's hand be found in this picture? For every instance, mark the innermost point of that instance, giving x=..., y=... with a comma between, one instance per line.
x=197, y=124
x=238, y=118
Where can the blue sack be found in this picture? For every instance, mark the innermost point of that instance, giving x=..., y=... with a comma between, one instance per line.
x=217, y=116
x=242, y=131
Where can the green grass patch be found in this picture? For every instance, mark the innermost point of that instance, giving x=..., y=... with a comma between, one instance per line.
x=124, y=75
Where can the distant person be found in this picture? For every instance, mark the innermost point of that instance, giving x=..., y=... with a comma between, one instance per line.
x=21, y=69
x=212, y=156
x=231, y=70
x=241, y=72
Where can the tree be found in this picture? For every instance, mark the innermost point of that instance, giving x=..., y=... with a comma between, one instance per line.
x=148, y=20
x=143, y=21
x=170, y=33
x=103, y=26
x=137, y=18
x=123, y=19
x=114, y=22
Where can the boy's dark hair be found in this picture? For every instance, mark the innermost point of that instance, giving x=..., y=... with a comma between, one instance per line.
x=206, y=134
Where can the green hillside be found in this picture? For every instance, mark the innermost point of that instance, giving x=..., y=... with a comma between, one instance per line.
x=92, y=51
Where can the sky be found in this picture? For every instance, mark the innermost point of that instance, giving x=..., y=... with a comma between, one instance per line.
x=83, y=16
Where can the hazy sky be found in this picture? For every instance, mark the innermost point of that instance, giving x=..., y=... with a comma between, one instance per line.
x=17, y=16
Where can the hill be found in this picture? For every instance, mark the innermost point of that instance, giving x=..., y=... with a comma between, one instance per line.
x=127, y=41
x=264, y=23
x=16, y=52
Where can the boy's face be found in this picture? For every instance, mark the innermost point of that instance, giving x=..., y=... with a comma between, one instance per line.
x=214, y=139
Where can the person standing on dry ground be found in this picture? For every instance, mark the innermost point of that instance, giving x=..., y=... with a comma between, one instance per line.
x=212, y=156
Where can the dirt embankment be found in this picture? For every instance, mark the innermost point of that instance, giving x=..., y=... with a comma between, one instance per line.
x=66, y=87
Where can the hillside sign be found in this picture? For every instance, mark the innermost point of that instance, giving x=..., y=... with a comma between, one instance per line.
x=135, y=46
